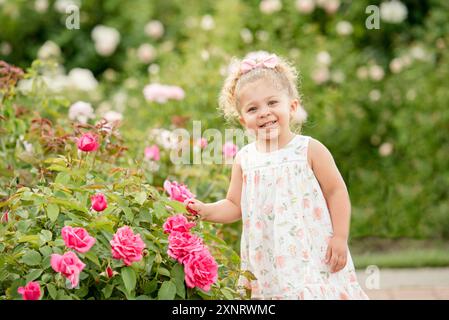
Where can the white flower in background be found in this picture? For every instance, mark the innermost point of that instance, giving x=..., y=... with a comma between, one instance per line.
x=48, y=50
x=300, y=115
x=82, y=79
x=25, y=86
x=154, y=29
x=112, y=116
x=119, y=100
x=153, y=166
x=330, y=6
x=262, y=35
x=146, y=53
x=362, y=72
x=81, y=111
x=110, y=74
x=205, y=55
x=375, y=95
x=270, y=6
x=5, y=48
x=417, y=52
x=104, y=107
x=41, y=6
x=246, y=35
x=305, y=6
x=393, y=11
x=396, y=65
x=62, y=5
x=164, y=138
x=160, y=93
x=106, y=39
x=56, y=83
x=385, y=149
x=207, y=22
x=153, y=69
x=28, y=146
x=321, y=75
x=344, y=28
x=376, y=72
x=323, y=58
x=338, y=76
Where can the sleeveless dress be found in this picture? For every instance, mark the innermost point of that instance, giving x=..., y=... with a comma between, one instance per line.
x=286, y=227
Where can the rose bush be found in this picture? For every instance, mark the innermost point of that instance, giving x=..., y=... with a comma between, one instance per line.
x=78, y=224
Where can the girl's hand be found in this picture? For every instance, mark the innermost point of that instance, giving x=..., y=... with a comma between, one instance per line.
x=336, y=254
x=195, y=207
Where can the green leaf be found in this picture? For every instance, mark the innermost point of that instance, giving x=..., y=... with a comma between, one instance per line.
x=177, y=276
x=150, y=286
x=92, y=257
x=227, y=293
x=32, y=258
x=32, y=238
x=176, y=205
x=167, y=291
x=55, y=167
x=107, y=290
x=141, y=197
x=46, y=236
x=129, y=278
x=62, y=178
x=33, y=275
x=128, y=214
x=52, y=291
x=52, y=211
x=163, y=271
x=46, y=251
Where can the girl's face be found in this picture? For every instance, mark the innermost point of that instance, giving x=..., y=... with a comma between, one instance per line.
x=266, y=110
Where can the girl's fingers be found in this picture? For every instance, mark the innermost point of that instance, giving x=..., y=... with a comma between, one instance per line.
x=328, y=254
x=334, y=262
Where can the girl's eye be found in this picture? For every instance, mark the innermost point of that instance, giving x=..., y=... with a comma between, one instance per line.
x=272, y=102
x=251, y=109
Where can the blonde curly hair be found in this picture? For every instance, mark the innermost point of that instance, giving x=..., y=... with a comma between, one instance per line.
x=284, y=76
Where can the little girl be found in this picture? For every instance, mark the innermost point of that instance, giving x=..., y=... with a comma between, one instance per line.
x=287, y=189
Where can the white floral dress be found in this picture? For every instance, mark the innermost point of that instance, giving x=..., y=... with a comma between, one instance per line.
x=286, y=228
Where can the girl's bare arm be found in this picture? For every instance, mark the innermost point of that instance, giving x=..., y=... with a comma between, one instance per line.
x=227, y=210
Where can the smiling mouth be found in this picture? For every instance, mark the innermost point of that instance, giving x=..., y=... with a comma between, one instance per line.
x=268, y=124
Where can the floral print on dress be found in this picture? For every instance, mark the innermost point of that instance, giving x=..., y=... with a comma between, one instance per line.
x=286, y=228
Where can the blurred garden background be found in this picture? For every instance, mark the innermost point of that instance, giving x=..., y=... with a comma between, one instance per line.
x=373, y=83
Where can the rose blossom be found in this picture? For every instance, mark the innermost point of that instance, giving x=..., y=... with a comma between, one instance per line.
x=152, y=153
x=230, y=149
x=99, y=202
x=183, y=244
x=127, y=246
x=177, y=223
x=32, y=291
x=69, y=265
x=88, y=142
x=177, y=191
x=200, y=270
x=77, y=238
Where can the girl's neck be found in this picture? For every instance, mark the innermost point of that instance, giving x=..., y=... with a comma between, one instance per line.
x=270, y=145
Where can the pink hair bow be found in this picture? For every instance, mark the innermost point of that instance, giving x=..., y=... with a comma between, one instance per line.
x=250, y=64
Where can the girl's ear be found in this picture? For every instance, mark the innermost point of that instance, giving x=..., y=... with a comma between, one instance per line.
x=294, y=105
x=242, y=121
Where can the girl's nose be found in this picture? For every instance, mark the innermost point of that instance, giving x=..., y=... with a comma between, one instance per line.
x=265, y=112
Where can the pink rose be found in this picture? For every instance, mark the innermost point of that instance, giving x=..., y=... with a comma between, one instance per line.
x=183, y=244
x=177, y=191
x=88, y=142
x=200, y=270
x=127, y=246
x=152, y=153
x=69, y=265
x=230, y=150
x=77, y=238
x=32, y=291
x=99, y=202
x=177, y=223
x=202, y=143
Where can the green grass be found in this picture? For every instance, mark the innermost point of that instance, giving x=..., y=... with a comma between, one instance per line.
x=399, y=253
